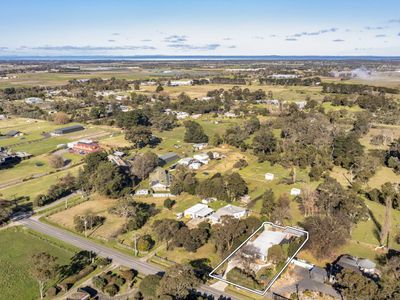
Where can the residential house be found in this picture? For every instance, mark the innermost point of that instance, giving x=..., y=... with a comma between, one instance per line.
x=3, y=117
x=180, y=115
x=202, y=157
x=318, y=274
x=7, y=159
x=208, y=200
x=180, y=82
x=159, y=180
x=195, y=165
x=360, y=265
x=198, y=211
x=68, y=129
x=228, y=210
x=266, y=240
x=85, y=147
x=116, y=160
x=33, y=100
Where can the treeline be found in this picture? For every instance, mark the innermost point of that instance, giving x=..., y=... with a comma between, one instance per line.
x=228, y=80
x=19, y=93
x=362, y=89
x=291, y=81
x=98, y=84
x=237, y=93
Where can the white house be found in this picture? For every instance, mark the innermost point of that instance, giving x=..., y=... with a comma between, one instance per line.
x=180, y=115
x=33, y=100
x=295, y=192
x=266, y=240
x=229, y=210
x=180, y=82
x=202, y=157
x=198, y=211
x=195, y=165
x=186, y=161
x=142, y=192
x=269, y=176
x=208, y=200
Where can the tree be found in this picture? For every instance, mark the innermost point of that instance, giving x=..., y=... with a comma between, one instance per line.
x=60, y=118
x=44, y=269
x=194, y=133
x=166, y=229
x=145, y=243
x=388, y=193
x=216, y=140
x=133, y=118
x=326, y=235
x=159, y=88
x=56, y=161
x=252, y=125
x=354, y=286
x=169, y=203
x=248, y=256
x=178, y=281
x=346, y=149
x=149, y=285
x=308, y=201
x=268, y=203
x=264, y=143
x=139, y=136
x=281, y=210
x=236, y=187
x=109, y=180
x=276, y=254
x=143, y=164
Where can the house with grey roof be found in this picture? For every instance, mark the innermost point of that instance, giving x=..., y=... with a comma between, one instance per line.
x=159, y=180
x=68, y=129
x=228, y=210
x=167, y=158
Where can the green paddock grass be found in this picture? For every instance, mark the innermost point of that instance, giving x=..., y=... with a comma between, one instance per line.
x=17, y=247
x=34, y=187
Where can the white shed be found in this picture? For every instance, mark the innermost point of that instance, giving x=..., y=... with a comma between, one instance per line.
x=295, y=192
x=269, y=176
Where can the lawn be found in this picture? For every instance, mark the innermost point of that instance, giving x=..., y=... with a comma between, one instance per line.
x=17, y=246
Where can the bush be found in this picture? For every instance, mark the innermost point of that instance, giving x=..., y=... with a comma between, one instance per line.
x=111, y=290
x=52, y=292
x=238, y=276
x=102, y=261
x=168, y=203
x=128, y=275
x=241, y=163
x=145, y=243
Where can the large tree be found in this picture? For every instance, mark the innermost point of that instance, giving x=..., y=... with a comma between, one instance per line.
x=139, y=136
x=143, y=164
x=236, y=187
x=264, y=143
x=194, y=133
x=44, y=269
x=268, y=203
x=326, y=235
x=178, y=281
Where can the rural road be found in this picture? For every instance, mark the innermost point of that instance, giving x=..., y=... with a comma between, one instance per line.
x=117, y=257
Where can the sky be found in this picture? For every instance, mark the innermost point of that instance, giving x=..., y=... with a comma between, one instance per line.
x=200, y=27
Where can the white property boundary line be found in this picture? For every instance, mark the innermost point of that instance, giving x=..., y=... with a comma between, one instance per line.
x=262, y=293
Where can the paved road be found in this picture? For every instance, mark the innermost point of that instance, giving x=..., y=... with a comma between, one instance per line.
x=117, y=257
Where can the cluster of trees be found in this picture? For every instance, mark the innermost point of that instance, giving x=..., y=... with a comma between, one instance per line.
x=19, y=93
x=228, y=80
x=311, y=81
x=387, y=190
x=102, y=176
x=136, y=214
x=87, y=221
x=237, y=93
x=177, y=234
x=194, y=106
x=111, y=282
x=392, y=157
x=223, y=187
x=65, y=186
x=98, y=84
x=362, y=89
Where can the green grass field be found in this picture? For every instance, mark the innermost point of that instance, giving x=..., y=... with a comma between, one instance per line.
x=17, y=247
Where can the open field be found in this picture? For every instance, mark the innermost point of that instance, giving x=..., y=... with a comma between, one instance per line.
x=17, y=247
x=34, y=187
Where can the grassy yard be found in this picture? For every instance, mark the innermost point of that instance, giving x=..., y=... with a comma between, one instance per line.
x=17, y=246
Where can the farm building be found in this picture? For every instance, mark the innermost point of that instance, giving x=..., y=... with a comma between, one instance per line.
x=200, y=146
x=167, y=158
x=68, y=129
x=33, y=100
x=13, y=133
x=202, y=157
x=142, y=192
x=85, y=147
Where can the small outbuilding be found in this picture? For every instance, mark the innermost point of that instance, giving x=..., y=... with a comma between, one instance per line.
x=269, y=176
x=295, y=192
x=198, y=211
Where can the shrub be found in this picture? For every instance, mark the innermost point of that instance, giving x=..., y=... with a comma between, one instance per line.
x=99, y=282
x=168, y=203
x=52, y=292
x=145, y=243
x=128, y=275
x=111, y=290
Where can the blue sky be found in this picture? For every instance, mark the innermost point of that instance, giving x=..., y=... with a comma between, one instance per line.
x=202, y=27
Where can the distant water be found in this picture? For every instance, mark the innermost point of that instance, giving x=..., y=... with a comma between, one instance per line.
x=194, y=58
